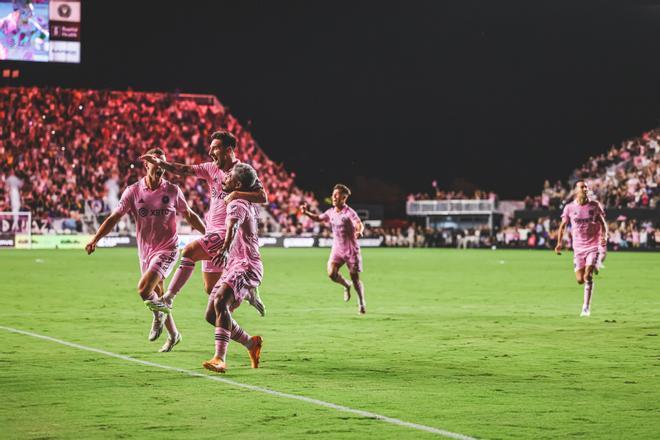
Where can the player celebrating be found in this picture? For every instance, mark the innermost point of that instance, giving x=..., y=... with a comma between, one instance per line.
x=589, y=234
x=221, y=151
x=346, y=229
x=244, y=271
x=154, y=203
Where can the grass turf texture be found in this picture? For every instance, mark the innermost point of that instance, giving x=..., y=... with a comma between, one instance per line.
x=483, y=343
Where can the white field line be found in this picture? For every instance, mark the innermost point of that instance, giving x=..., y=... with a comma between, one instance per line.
x=342, y=408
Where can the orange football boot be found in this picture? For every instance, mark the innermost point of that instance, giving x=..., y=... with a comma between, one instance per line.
x=255, y=351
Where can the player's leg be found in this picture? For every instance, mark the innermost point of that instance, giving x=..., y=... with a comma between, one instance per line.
x=210, y=279
x=173, y=335
x=222, y=297
x=591, y=261
x=334, y=275
x=580, y=277
x=192, y=253
x=146, y=289
x=355, y=267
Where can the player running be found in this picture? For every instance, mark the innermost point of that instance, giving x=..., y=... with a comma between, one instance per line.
x=589, y=234
x=346, y=229
x=221, y=151
x=154, y=203
x=243, y=271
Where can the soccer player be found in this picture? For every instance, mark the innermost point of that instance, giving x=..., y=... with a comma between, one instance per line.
x=243, y=271
x=154, y=203
x=589, y=234
x=221, y=151
x=346, y=229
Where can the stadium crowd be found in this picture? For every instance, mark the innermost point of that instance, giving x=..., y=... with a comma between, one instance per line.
x=65, y=152
x=627, y=176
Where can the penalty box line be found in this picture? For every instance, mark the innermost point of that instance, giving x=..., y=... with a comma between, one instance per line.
x=361, y=413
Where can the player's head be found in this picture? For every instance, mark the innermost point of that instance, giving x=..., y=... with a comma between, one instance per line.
x=340, y=194
x=581, y=189
x=242, y=177
x=222, y=147
x=152, y=169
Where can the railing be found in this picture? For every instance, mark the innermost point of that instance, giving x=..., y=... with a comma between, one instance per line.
x=446, y=207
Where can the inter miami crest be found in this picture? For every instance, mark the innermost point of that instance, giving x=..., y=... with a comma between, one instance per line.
x=166, y=200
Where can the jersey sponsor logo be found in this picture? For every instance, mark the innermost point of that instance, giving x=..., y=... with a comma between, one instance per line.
x=143, y=212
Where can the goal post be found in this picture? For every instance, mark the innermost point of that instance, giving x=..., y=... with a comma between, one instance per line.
x=15, y=226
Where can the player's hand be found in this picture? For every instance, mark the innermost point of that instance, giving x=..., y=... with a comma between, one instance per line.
x=358, y=234
x=220, y=258
x=151, y=158
x=231, y=196
x=302, y=208
x=90, y=247
x=558, y=249
x=603, y=241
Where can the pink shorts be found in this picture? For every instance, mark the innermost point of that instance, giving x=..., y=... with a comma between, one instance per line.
x=241, y=278
x=210, y=243
x=162, y=262
x=353, y=261
x=586, y=257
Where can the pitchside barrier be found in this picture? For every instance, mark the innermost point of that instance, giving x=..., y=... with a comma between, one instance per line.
x=78, y=241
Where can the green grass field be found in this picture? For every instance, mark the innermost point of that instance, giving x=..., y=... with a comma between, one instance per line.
x=483, y=343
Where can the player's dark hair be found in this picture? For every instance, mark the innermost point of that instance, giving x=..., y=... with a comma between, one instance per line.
x=226, y=139
x=156, y=151
x=576, y=183
x=342, y=189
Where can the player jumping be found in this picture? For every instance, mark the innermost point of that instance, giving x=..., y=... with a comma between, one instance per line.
x=154, y=203
x=221, y=151
x=243, y=271
x=589, y=234
x=346, y=229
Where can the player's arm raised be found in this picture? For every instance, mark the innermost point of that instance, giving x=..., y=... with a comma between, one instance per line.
x=106, y=227
x=560, y=237
x=173, y=167
x=303, y=209
x=194, y=220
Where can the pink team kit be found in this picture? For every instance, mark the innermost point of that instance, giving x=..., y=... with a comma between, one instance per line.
x=215, y=217
x=244, y=269
x=155, y=218
x=345, y=247
x=585, y=232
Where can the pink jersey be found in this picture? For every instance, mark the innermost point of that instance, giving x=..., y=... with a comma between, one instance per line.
x=214, y=176
x=585, y=223
x=244, y=251
x=343, y=230
x=155, y=215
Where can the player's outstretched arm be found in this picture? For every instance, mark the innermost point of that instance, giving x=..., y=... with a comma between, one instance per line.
x=303, y=210
x=105, y=228
x=180, y=169
x=194, y=220
x=560, y=237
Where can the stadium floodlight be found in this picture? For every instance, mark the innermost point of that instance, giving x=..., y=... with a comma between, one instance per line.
x=16, y=227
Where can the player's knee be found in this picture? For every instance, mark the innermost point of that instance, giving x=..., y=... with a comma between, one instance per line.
x=580, y=280
x=188, y=251
x=210, y=317
x=355, y=277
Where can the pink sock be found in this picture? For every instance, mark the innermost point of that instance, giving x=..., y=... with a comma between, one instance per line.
x=181, y=277
x=221, y=341
x=588, y=290
x=239, y=335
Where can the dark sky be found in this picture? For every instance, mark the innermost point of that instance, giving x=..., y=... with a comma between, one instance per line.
x=500, y=94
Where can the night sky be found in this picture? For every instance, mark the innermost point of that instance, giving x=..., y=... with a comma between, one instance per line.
x=388, y=96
